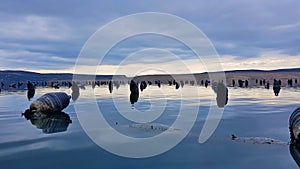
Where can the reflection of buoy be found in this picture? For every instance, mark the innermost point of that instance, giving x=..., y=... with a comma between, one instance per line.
x=295, y=152
x=143, y=85
x=176, y=85
x=134, y=92
x=50, y=103
x=294, y=123
x=53, y=123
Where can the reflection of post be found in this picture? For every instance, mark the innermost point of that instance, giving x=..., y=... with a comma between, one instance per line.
x=134, y=92
x=75, y=91
x=222, y=94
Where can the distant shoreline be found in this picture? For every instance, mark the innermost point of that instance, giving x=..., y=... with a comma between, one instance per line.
x=251, y=75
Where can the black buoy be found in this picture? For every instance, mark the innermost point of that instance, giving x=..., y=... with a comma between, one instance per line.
x=47, y=104
x=295, y=153
x=267, y=85
x=246, y=83
x=276, y=87
x=294, y=123
x=30, y=90
x=110, y=86
x=206, y=83
x=134, y=92
x=176, y=85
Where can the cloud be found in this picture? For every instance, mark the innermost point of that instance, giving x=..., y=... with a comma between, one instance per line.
x=48, y=36
x=23, y=59
x=266, y=61
x=33, y=27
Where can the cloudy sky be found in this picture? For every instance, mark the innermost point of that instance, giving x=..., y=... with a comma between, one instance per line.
x=47, y=36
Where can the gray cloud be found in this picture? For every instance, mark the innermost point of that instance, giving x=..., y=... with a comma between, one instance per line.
x=59, y=29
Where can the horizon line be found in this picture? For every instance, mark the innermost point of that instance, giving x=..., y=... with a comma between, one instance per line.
x=231, y=70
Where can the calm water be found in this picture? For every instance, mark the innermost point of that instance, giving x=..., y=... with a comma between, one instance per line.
x=250, y=113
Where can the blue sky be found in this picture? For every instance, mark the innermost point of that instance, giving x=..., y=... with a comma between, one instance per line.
x=47, y=36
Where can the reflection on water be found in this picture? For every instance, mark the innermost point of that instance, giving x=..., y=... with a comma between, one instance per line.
x=222, y=93
x=295, y=152
x=110, y=87
x=134, y=92
x=249, y=112
x=45, y=112
x=75, y=91
x=30, y=90
x=53, y=123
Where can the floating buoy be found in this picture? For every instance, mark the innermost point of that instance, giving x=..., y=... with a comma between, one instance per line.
x=294, y=123
x=30, y=90
x=47, y=104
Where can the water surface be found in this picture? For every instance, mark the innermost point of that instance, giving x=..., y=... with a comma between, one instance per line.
x=252, y=112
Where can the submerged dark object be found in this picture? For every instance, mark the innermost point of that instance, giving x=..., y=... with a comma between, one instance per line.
x=47, y=104
x=294, y=123
x=276, y=87
x=52, y=123
x=258, y=140
x=55, y=85
x=12, y=85
x=30, y=90
x=150, y=126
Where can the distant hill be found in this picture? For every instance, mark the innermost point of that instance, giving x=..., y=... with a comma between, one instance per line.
x=263, y=71
x=11, y=76
x=250, y=75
